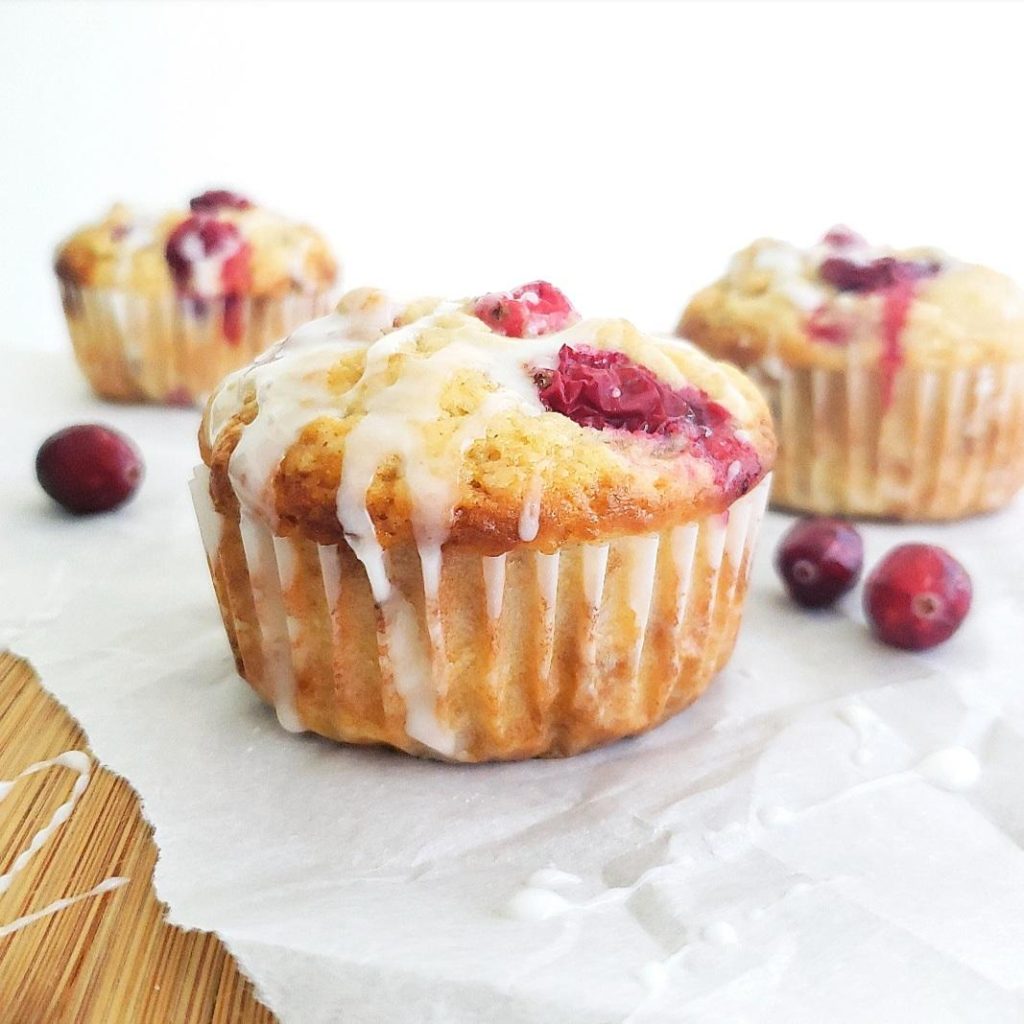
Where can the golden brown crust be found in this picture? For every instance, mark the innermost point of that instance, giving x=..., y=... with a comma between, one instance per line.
x=126, y=251
x=591, y=484
x=966, y=316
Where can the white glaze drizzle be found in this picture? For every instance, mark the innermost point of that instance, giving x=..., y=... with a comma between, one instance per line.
x=430, y=564
x=413, y=675
x=494, y=585
x=954, y=768
x=553, y=878
x=864, y=723
x=76, y=761
x=720, y=933
x=529, y=516
x=790, y=269
x=211, y=525
x=533, y=904
x=107, y=885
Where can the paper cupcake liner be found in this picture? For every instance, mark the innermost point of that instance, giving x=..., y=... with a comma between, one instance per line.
x=948, y=444
x=472, y=658
x=163, y=348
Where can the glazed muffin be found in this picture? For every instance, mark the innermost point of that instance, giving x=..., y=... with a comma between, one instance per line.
x=160, y=308
x=483, y=529
x=896, y=377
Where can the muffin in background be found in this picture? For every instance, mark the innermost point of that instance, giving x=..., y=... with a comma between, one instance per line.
x=896, y=377
x=483, y=529
x=161, y=308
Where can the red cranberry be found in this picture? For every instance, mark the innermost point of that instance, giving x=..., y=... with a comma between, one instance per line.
x=825, y=326
x=884, y=272
x=842, y=237
x=607, y=390
x=896, y=303
x=527, y=311
x=233, y=322
x=89, y=468
x=917, y=596
x=202, y=238
x=216, y=199
x=180, y=397
x=819, y=560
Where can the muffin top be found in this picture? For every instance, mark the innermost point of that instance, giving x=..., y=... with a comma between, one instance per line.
x=222, y=245
x=492, y=422
x=844, y=301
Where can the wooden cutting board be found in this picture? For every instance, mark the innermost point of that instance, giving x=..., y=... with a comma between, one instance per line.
x=82, y=935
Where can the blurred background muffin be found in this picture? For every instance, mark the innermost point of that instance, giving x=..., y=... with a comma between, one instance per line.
x=160, y=308
x=896, y=376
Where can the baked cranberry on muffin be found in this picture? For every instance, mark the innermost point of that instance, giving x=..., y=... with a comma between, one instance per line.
x=481, y=529
x=160, y=308
x=896, y=376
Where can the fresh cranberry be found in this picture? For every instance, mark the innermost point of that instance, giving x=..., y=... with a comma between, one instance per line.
x=842, y=237
x=202, y=238
x=850, y=275
x=607, y=390
x=216, y=199
x=527, y=311
x=819, y=560
x=89, y=468
x=917, y=596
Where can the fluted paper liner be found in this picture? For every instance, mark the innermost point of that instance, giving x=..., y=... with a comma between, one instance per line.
x=949, y=443
x=482, y=658
x=162, y=348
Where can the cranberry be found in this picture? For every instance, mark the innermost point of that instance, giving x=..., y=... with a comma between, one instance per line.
x=179, y=397
x=819, y=560
x=896, y=303
x=89, y=468
x=233, y=322
x=527, y=311
x=917, y=596
x=217, y=198
x=607, y=390
x=201, y=238
x=873, y=275
x=842, y=237
x=825, y=326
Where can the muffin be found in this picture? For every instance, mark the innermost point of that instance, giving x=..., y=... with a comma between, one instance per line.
x=481, y=529
x=896, y=377
x=160, y=308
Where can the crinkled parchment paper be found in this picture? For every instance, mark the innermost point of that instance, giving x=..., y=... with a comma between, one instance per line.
x=777, y=853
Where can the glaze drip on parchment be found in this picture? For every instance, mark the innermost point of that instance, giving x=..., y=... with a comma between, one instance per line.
x=76, y=761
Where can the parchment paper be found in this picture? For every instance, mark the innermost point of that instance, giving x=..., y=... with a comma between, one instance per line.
x=773, y=854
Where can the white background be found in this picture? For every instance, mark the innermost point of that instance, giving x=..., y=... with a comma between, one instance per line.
x=621, y=150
